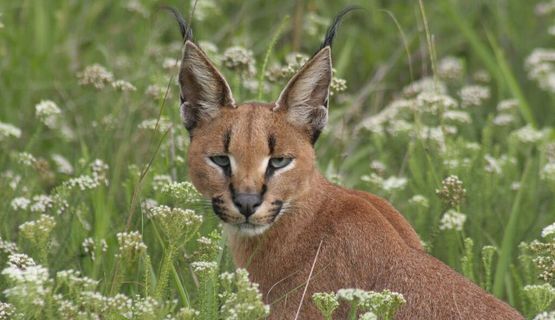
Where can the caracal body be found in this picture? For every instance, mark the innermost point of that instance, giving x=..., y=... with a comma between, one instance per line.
x=257, y=164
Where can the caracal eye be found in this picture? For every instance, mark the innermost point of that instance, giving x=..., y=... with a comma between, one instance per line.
x=222, y=161
x=280, y=162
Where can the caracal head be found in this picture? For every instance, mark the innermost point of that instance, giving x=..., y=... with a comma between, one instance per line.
x=252, y=160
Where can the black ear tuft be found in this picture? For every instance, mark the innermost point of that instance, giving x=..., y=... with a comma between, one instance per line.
x=184, y=27
x=332, y=29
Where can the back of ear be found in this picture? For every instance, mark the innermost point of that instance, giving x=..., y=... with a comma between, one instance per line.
x=305, y=98
x=203, y=88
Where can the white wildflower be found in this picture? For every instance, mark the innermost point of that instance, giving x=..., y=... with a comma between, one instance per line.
x=450, y=68
x=153, y=124
x=48, y=113
x=399, y=128
x=548, y=172
x=123, y=86
x=8, y=130
x=239, y=59
x=452, y=220
x=137, y=7
x=89, y=247
x=457, y=117
x=433, y=103
x=503, y=119
x=7, y=311
x=171, y=64
x=205, y=9
x=62, y=164
x=131, y=244
x=420, y=201
x=507, y=105
x=26, y=159
x=528, y=135
x=394, y=183
x=83, y=182
x=96, y=76
x=548, y=231
x=148, y=204
x=204, y=266
x=548, y=315
x=160, y=180
x=427, y=84
x=41, y=203
x=481, y=76
x=474, y=95
x=378, y=166
x=20, y=203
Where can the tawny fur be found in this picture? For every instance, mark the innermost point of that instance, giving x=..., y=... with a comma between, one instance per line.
x=364, y=242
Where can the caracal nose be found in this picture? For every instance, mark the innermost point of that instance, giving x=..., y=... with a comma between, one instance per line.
x=247, y=203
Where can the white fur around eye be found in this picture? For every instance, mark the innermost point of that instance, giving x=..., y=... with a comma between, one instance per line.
x=285, y=169
x=264, y=165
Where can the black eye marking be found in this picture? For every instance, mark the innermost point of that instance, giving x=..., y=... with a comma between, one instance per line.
x=227, y=140
x=271, y=143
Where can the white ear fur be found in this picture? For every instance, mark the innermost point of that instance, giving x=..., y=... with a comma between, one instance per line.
x=305, y=97
x=203, y=88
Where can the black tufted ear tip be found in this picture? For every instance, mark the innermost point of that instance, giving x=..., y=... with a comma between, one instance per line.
x=184, y=27
x=332, y=29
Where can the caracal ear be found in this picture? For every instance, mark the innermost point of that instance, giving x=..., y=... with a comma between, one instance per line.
x=203, y=88
x=305, y=98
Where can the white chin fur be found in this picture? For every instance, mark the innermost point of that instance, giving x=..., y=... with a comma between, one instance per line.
x=248, y=230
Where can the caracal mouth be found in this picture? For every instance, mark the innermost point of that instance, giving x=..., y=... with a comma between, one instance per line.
x=247, y=229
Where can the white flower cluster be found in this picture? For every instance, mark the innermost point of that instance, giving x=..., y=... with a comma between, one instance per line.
x=7, y=311
x=452, y=220
x=41, y=203
x=20, y=203
x=431, y=102
x=426, y=84
x=8, y=247
x=420, y=201
x=160, y=181
x=474, y=95
x=540, y=65
x=545, y=315
x=450, y=68
x=528, y=135
x=26, y=159
x=28, y=282
x=548, y=172
x=96, y=76
x=97, y=178
x=239, y=59
x=204, y=266
x=8, y=130
x=390, y=184
x=89, y=247
x=74, y=279
x=153, y=124
x=48, y=113
x=123, y=86
x=549, y=231
x=183, y=192
x=62, y=164
x=457, y=117
x=38, y=230
x=131, y=243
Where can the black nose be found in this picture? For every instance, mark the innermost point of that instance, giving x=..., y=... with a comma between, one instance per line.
x=247, y=203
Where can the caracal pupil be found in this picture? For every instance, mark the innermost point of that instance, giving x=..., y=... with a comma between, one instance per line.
x=256, y=163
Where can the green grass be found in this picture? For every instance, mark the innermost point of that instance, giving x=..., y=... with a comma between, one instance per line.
x=379, y=51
